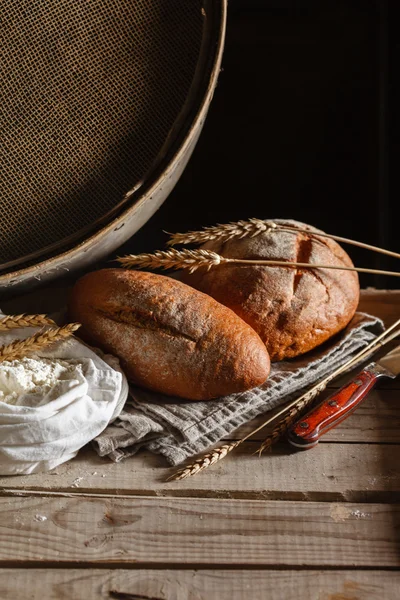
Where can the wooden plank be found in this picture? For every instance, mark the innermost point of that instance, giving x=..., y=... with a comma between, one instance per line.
x=382, y=303
x=377, y=419
x=329, y=472
x=175, y=531
x=57, y=584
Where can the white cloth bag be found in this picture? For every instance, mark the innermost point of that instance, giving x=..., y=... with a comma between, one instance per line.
x=76, y=410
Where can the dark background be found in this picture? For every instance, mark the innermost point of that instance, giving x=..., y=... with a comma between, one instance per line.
x=298, y=128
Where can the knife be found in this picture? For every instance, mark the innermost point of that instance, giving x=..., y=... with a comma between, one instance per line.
x=307, y=431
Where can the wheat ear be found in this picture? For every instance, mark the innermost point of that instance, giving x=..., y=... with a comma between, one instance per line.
x=174, y=259
x=290, y=411
x=254, y=227
x=36, y=342
x=205, y=461
x=23, y=320
x=196, y=259
x=240, y=229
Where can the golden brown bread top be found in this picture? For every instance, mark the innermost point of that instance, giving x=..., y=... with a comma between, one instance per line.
x=169, y=337
x=293, y=310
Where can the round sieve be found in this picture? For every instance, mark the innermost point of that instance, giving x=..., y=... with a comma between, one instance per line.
x=101, y=104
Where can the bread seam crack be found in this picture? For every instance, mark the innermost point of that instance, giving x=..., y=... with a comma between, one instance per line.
x=142, y=320
x=303, y=254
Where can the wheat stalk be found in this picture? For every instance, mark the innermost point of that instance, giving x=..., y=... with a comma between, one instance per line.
x=289, y=411
x=174, y=259
x=23, y=320
x=254, y=227
x=337, y=238
x=293, y=413
x=36, y=342
x=305, y=400
x=220, y=452
x=196, y=259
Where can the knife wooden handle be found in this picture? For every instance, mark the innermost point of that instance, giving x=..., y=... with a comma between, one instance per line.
x=307, y=431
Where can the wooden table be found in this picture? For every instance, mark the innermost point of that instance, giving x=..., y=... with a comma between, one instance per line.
x=321, y=525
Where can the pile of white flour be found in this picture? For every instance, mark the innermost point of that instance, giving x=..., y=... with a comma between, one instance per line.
x=27, y=380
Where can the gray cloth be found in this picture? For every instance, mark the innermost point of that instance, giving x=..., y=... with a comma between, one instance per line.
x=179, y=429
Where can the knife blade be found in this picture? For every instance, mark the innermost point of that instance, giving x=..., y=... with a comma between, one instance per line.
x=307, y=431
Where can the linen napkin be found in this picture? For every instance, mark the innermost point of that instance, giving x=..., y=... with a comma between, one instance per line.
x=180, y=429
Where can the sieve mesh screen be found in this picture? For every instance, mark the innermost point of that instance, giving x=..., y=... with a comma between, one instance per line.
x=88, y=94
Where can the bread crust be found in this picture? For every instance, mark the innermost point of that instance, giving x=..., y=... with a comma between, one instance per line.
x=169, y=337
x=292, y=310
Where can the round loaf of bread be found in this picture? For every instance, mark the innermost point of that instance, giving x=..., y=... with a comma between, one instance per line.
x=292, y=309
x=169, y=337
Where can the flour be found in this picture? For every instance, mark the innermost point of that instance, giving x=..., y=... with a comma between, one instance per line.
x=26, y=381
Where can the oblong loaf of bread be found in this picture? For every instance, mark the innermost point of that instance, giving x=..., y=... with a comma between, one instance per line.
x=169, y=337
